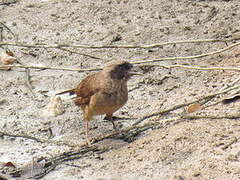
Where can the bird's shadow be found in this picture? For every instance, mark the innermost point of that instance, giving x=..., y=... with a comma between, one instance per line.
x=115, y=118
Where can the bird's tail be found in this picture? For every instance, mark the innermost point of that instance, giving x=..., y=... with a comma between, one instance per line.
x=70, y=91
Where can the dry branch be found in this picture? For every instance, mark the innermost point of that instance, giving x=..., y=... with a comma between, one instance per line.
x=200, y=100
x=234, y=140
x=49, y=67
x=189, y=57
x=28, y=81
x=42, y=45
x=9, y=30
x=197, y=67
x=2, y=133
x=25, y=136
x=96, y=69
x=145, y=61
x=82, y=54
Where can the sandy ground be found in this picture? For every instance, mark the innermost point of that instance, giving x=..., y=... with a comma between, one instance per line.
x=188, y=149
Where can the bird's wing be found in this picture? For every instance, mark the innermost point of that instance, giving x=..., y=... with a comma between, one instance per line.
x=87, y=88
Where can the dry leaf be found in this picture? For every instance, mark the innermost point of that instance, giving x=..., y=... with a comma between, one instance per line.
x=54, y=108
x=7, y=58
x=9, y=164
x=10, y=53
x=194, y=107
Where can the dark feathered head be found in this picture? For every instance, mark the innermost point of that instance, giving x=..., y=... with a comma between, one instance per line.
x=120, y=70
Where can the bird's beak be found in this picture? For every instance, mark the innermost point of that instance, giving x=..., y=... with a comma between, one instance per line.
x=135, y=73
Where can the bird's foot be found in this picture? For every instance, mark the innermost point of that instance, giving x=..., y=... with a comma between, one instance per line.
x=113, y=118
x=119, y=133
x=90, y=141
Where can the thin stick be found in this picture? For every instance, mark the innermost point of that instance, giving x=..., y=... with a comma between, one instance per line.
x=210, y=116
x=8, y=2
x=52, y=68
x=225, y=87
x=188, y=57
x=16, y=38
x=2, y=133
x=234, y=140
x=196, y=67
x=83, y=54
x=28, y=81
x=59, y=143
x=42, y=45
x=96, y=69
x=1, y=33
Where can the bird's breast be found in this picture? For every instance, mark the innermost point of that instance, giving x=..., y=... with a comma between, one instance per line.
x=109, y=100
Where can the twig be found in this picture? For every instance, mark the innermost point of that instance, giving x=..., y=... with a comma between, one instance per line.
x=96, y=69
x=195, y=67
x=188, y=57
x=1, y=33
x=207, y=116
x=7, y=2
x=16, y=38
x=235, y=139
x=225, y=87
x=71, y=155
x=28, y=81
x=127, y=129
x=2, y=133
x=52, y=68
x=231, y=84
x=83, y=54
x=60, y=143
x=42, y=45
x=183, y=105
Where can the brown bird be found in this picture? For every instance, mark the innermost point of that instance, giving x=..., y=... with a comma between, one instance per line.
x=103, y=92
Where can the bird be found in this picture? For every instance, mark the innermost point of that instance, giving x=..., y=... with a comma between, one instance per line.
x=103, y=92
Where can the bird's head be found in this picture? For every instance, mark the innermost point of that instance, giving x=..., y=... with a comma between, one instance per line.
x=120, y=70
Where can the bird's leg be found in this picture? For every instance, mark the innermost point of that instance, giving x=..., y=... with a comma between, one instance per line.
x=87, y=132
x=87, y=117
x=110, y=118
x=113, y=118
